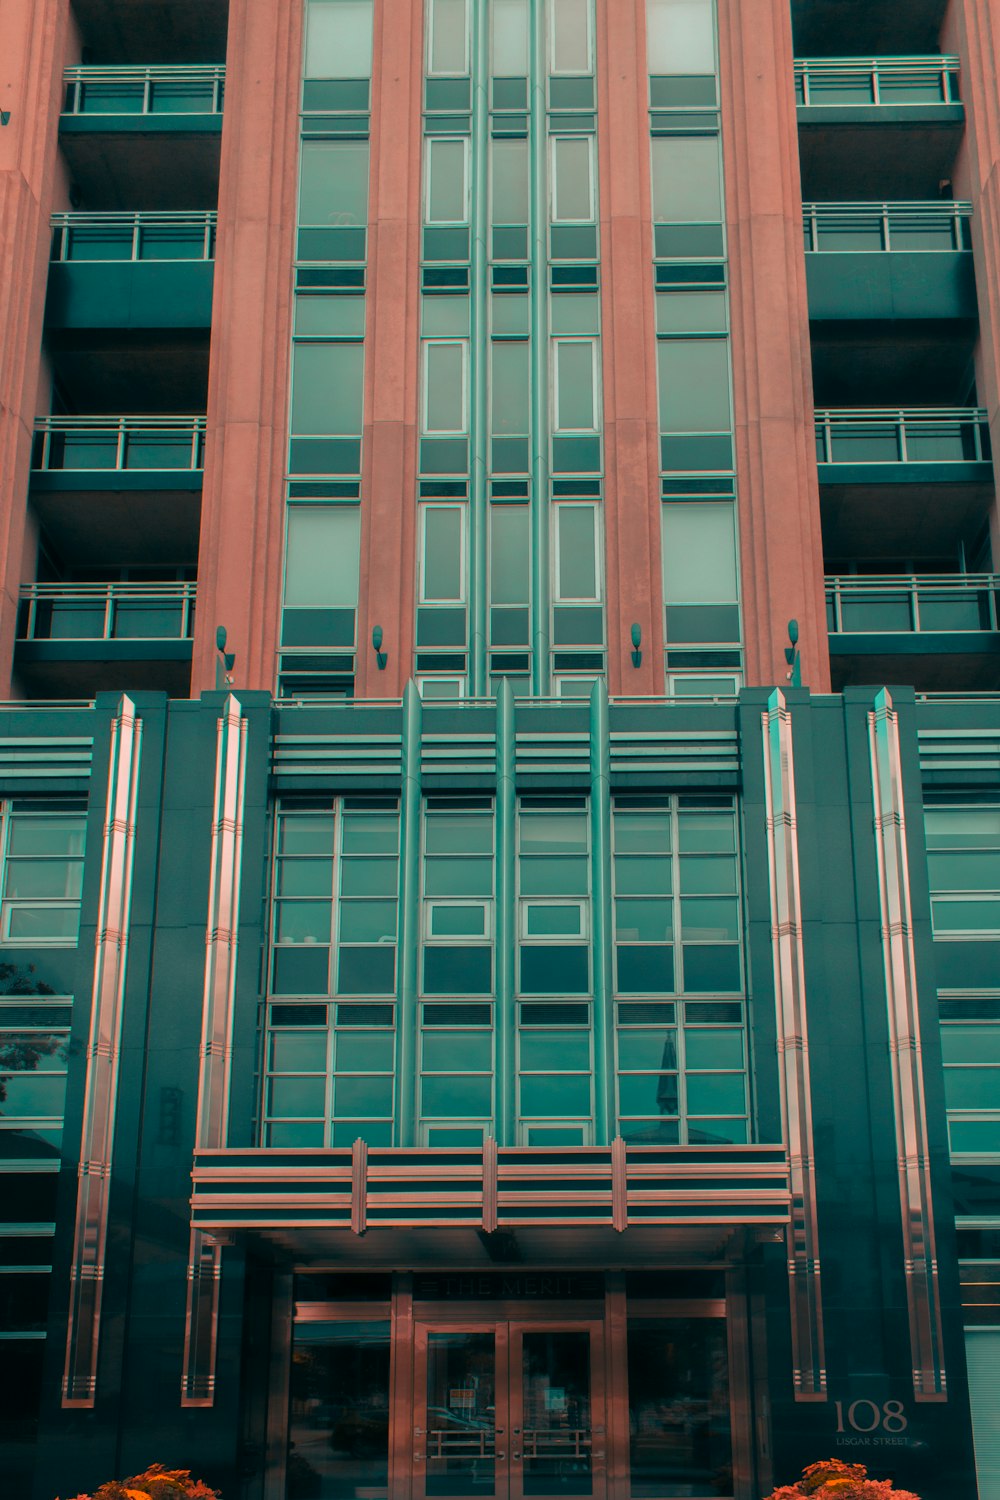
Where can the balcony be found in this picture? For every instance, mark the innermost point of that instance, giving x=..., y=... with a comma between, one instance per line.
x=931, y=632
x=144, y=138
x=889, y=261
x=898, y=482
x=877, y=128
x=131, y=270
x=877, y=26
x=175, y=31
x=76, y=639
x=119, y=489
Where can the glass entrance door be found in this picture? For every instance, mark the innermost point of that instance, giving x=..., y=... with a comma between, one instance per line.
x=506, y=1410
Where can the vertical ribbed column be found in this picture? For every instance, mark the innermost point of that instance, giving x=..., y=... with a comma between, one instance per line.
x=781, y=543
x=631, y=420
x=923, y=1296
x=407, y=988
x=389, y=463
x=809, y=1363
x=600, y=863
x=479, y=325
x=243, y=507
x=35, y=38
x=538, y=145
x=505, y=945
x=103, y=1057
x=973, y=31
x=205, y=1255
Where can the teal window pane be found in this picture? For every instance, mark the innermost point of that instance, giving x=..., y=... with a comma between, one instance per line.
x=449, y=36
x=972, y=1088
x=553, y=833
x=368, y=877
x=644, y=921
x=305, y=877
x=330, y=316
x=368, y=922
x=443, y=570
x=577, y=542
x=322, y=557
x=510, y=38
x=346, y=1132
x=694, y=385
x=301, y=971
x=457, y=1052
x=365, y=1051
x=715, y=1131
x=298, y=1052
x=291, y=1097
x=642, y=832
x=558, y=1096
x=444, y=316
x=457, y=1097
x=510, y=387
x=302, y=922
x=509, y=554
x=28, y=879
x=648, y=1050
x=965, y=916
x=691, y=312
x=34, y=1094
x=645, y=970
x=964, y=870
x=333, y=183
x=458, y=877
x=458, y=921
x=648, y=1094
x=555, y=1051
x=638, y=876
x=339, y=39
x=366, y=971
x=542, y=876
x=569, y=314
x=464, y=970
x=981, y=1137
x=687, y=179
x=680, y=36
x=716, y=1093
x=706, y=833
x=710, y=918
x=573, y=191
x=46, y=836
x=571, y=36
x=327, y=389
x=713, y=1048
x=710, y=967
x=362, y=1096
x=458, y=833
x=509, y=160
x=699, y=554
x=962, y=827
x=370, y=833
x=560, y=970
x=574, y=369
x=445, y=388
x=298, y=1133
x=447, y=195
x=43, y=924
x=554, y=921
x=971, y=1044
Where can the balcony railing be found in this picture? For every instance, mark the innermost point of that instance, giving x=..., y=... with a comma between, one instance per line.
x=947, y=603
x=857, y=81
x=133, y=237
x=106, y=611
x=887, y=226
x=144, y=91
x=887, y=435
x=120, y=443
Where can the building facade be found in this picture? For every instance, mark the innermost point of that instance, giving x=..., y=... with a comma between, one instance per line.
x=500, y=773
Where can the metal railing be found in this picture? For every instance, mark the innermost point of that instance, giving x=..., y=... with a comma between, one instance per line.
x=135, y=443
x=157, y=90
x=106, y=611
x=887, y=226
x=853, y=81
x=891, y=435
x=134, y=236
x=917, y=603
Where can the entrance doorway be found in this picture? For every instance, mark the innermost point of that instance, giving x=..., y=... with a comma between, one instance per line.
x=505, y=1410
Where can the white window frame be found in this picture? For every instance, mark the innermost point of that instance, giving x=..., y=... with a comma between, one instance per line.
x=596, y=387
x=483, y=903
x=571, y=72
x=424, y=507
x=425, y=360
x=433, y=72
x=9, y=810
x=448, y=677
x=582, y=904
x=429, y=143
x=556, y=569
x=553, y=178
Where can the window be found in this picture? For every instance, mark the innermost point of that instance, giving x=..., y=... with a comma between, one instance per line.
x=43, y=845
x=680, y=36
x=700, y=586
x=694, y=385
x=578, y=574
x=442, y=554
x=963, y=865
x=333, y=184
x=34, y=1051
x=572, y=179
x=327, y=389
x=575, y=371
x=687, y=179
x=970, y=1048
x=510, y=181
x=571, y=40
x=445, y=387
x=322, y=556
x=339, y=39
x=510, y=388
x=448, y=37
x=447, y=181
x=554, y=891
x=510, y=38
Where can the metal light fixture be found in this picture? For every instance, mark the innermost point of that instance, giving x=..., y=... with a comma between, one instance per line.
x=225, y=662
x=381, y=657
x=636, y=645
x=4, y=116
x=794, y=675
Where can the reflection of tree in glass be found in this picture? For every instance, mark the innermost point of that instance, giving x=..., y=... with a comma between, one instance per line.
x=22, y=1054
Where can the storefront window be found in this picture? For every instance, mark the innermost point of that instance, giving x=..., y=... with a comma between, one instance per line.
x=678, y=1396
x=338, y=1445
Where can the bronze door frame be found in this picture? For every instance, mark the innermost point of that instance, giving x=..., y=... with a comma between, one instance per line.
x=508, y=1329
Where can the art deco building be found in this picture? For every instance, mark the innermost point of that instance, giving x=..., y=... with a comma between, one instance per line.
x=488, y=1006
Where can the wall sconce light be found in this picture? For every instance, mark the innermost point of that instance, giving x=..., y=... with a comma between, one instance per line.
x=636, y=644
x=381, y=657
x=794, y=675
x=4, y=116
x=225, y=662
